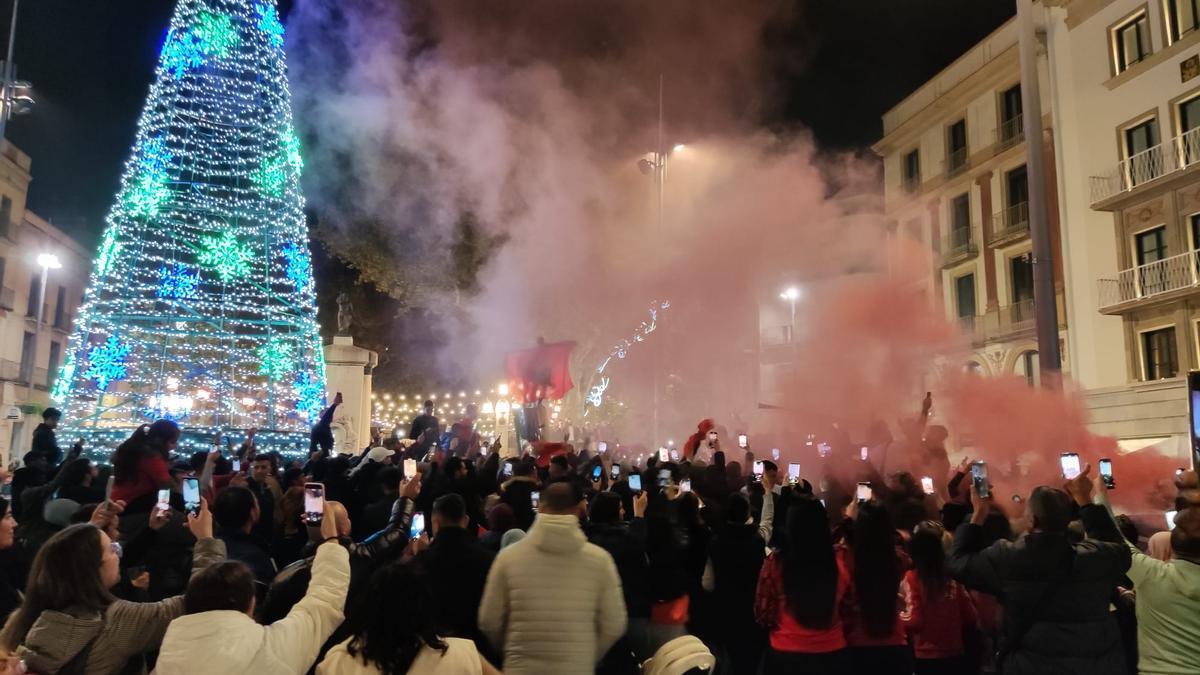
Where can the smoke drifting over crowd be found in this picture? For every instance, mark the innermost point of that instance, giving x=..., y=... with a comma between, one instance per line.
x=533, y=115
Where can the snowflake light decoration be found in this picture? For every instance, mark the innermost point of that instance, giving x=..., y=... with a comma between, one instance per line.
x=228, y=257
x=310, y=395
x=109, y=248
x=275, y=358
x=181, y=52
x=268, y=22
x=272, y=176
x=297, y=266
x=216, y=33
x=106, y=362
x=177, y=281
x=291, y=148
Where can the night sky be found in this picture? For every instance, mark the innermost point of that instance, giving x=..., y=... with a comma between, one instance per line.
x=91, y=63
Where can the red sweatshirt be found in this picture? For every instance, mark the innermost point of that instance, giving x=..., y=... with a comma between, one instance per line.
x=787, y=635
x=936, y=627
x=152, y=473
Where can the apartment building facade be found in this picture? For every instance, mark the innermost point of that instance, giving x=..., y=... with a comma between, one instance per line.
x=29, y=357
x=1125, y=76
x=954, y=156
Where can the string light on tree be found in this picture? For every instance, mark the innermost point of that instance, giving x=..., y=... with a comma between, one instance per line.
x=203, y=277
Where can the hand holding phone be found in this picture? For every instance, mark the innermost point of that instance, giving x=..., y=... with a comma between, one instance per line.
x=863, y=493
x=614, y=472
x=191, y=496
x=410, y=467
x=635, y=482
x=743, y=441
x=758, y=470
x=534, y=498
x=1070, y=465
x=793, y=473
x=314, y=503
x=164, y=500
x=686, y=485
x=1106, y=473
x=597, y=471
x=927, y=485
x=418, y=525
x=979, y=477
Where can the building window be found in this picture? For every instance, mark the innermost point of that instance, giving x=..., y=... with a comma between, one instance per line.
x=1195, y=220
x=1021, y=271
x=1189, y=130
x=60, y=307
x=1016, y=198
x=1159, y=354
x=1011, y=125
x=964, y=296
x=52, y=363
x=1131, y=41
x=1143, y=161
x=1181, y=18
x=35, y=286
x=912, y=171
x=1150, y=247
x=26, y=357
x=1029, y=366
x=5, y=216
x=956, y=147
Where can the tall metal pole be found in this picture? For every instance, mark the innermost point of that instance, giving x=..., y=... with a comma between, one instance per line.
x=660, y=175
x=9, y=75
x=1045, y=304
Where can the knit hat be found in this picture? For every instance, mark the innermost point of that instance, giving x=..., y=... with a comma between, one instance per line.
x=58, y=512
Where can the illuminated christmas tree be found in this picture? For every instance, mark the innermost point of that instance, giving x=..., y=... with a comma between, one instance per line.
x=200, y=306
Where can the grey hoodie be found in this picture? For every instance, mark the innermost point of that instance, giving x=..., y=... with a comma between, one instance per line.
x=123, y=631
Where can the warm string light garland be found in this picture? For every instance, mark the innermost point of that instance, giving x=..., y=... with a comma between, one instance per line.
x=200, y=306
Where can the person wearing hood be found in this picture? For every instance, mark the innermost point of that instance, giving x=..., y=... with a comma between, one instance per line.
x=554, y=561
x=217, y=633
x=71, y=623
x=703, y=443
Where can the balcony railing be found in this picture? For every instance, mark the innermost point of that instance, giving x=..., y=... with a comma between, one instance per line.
x=1011, y=223
x=1011, y=132
x=1148, y=165
x=958, y=245
x=1179, y=272
x=956, y=162
x=1007, y=322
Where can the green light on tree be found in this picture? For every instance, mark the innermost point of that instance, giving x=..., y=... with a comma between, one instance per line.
x=226, y=256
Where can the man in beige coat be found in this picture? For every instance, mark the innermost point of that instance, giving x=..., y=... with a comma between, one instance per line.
x=553, y=601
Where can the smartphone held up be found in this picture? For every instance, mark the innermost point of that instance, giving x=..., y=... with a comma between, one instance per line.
x=979, y=477
x=314, y=503
x=191, y=496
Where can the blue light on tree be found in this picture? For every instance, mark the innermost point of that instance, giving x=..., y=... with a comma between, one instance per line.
x=106, y=362
x=194, y=274
x=177, y=281
x=268, y=22
x=298, y=267
x=310, y=396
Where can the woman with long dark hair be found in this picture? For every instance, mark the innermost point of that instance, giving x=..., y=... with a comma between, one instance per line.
x=70, y=622
x=141, y=464
x=937, y=610
x=10, y=596
x=876, y=564
x=384, y=641
x=800, y=589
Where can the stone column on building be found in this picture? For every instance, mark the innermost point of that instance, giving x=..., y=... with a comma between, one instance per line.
x=348, y=370
x=984, y=181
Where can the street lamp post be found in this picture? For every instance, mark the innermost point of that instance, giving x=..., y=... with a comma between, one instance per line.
x=48, y=261
x=791, y=294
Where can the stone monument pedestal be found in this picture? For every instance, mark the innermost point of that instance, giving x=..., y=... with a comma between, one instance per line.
x=348, y=369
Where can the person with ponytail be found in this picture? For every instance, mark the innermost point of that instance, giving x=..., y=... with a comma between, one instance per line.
x=937, y=610
x=141, y=465
x=800, y=589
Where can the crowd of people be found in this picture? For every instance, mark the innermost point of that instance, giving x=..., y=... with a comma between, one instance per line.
x=442, y=553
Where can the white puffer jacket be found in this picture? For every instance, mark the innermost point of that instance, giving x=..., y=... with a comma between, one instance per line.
x=553, y=602
x=227, y=642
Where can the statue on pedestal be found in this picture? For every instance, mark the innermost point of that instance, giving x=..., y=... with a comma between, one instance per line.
x=345, y=315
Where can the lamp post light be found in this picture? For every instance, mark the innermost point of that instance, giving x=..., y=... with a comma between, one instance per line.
x=791, y=294
x=48, y=261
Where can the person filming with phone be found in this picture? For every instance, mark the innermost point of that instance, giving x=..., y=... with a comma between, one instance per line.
x=1055, y=594
x=217, y=633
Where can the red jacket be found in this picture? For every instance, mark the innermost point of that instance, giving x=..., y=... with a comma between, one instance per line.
x=936, y=626
x=787, y=635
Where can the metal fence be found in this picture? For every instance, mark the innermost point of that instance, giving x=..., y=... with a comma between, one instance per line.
x=1146, y=281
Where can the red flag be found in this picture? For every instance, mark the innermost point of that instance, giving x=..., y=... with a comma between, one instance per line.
x=540, y=373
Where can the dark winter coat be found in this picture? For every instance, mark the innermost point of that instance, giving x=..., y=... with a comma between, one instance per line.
x=737, y=553
x=45, y=443
x=626, y=543
x=457, y=567
x=1075, y=632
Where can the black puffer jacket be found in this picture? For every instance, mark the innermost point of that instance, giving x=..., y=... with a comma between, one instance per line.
x=1074, y=632
x=626, y=543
